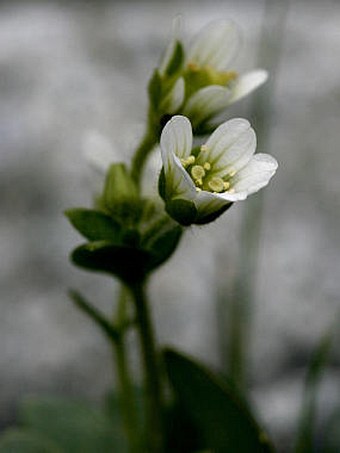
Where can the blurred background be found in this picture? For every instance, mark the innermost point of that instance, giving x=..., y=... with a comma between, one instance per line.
x=73, y=76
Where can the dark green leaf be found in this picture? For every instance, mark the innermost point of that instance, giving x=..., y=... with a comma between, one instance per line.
x=163, y=244
x=155, y=89
x=224, y=420
x=74, y=427
x=127, y=263
x=181, y=435
x=25, y=441
x=176, y=61
x=94, y=225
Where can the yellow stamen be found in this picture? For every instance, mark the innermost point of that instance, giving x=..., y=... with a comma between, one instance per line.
x=198, y=189
x=204, y=148
x=207, y=166
x=232, y=172
x=226, y=185
x=216, y=184
x=188, y=161
x=197, y=172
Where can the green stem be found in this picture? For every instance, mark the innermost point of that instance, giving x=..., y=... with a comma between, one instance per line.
x=146, y=145
x=151, y=371
x=127, y=397
x=127, y=403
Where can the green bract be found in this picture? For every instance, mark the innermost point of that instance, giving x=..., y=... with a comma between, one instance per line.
x=199, y=184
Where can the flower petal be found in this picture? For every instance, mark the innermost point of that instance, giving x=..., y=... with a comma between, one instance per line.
x=247, y=83
x=255, y=175
x=171, y=47
x=176, y=138
x=178, y=183
x=230, y=147
x=215, y=45
x=206, y=103
x=208, y=202
x=174, y=98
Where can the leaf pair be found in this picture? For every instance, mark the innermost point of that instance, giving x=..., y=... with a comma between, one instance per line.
x=130, y=254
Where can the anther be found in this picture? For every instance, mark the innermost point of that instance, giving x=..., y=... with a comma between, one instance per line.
x=188, y=161
x=204, y=148
x=197, y=172
x=216, y=184
x=206, y=166
x=226, y=185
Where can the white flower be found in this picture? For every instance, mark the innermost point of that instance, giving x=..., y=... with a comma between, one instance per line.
x=210, y=84
x=201, y=183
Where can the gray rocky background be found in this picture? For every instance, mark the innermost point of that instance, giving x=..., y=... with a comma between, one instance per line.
x=71, y=72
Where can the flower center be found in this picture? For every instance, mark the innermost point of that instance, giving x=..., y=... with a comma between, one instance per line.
x=197, y=77
x=203, y=175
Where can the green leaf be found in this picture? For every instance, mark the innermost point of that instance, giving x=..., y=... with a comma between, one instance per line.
x=94, y=225
x=25, y=441
x=163, y=244
x=305, y=432
x=74, y=427
x=176, y=60
x=181, y=435
x=127, y=263
x=155, y=89
x=224, y=420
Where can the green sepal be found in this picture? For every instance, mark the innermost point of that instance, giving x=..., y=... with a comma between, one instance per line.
x=181, y=210
x=128, y=263
x=162, y=184
x=223, y=418
x=155, y=89
x=202, y=220
x=94, y=225
x=176, y=61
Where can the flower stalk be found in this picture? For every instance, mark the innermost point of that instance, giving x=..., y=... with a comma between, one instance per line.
x=142, y=152
x=153, y=400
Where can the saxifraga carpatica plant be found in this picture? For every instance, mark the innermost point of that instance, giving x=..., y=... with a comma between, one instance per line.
x=129, y=236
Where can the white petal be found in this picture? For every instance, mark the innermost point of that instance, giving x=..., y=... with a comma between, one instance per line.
x=176, y=138
x=175, y=37
x=175, y=97
x=230, y=147
x=178, y=183
x=208, y=202
x=255, y=175
x=215, y=45
x=247, y=83
x=206, y=103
